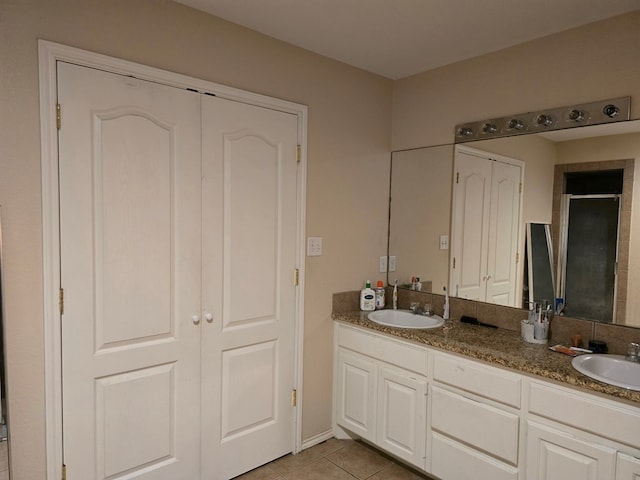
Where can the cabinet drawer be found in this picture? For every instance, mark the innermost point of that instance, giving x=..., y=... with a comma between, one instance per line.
x=481, y=426
x=587, y=412
x=453, y=461
x=395, y=352
x=483, y=380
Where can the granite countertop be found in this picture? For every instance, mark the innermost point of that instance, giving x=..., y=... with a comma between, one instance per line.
x=498, y=346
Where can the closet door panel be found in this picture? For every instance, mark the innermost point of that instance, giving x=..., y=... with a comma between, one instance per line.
x=472, y=195
x=132, y=207
x=130, y=268
x=503, y=234
x=252, y=211
x=249, y=251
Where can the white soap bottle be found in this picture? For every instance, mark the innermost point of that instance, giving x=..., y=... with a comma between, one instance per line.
x=367, y=298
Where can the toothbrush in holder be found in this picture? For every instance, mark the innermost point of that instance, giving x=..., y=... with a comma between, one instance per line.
x=445, y=314
x=395, y=295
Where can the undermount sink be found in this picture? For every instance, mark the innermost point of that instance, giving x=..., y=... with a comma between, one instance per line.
x=405, y=319
x=611, y=369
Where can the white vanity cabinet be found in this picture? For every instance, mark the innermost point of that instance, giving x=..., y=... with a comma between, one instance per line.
x=457, y=418
x=381, y=392
x=627, y=467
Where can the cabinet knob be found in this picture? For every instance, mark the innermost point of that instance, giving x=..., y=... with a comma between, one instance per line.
x=195, y=319
x=208, y=317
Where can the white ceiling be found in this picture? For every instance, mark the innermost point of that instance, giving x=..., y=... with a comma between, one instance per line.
x=398, y=38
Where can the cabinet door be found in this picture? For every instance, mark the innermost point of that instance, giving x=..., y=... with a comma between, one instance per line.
x=356, y=394
x=628, y=467
x=555, y=455
x=402, y=409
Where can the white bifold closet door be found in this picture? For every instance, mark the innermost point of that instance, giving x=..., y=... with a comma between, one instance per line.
x=178, y=228
x=485, y=228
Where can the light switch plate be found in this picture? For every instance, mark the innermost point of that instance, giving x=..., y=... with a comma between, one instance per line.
x=444, y=242
x=314, y=246
x=383, y=264
x=392, y=263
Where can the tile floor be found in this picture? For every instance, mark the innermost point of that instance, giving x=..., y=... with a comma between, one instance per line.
x=335, y=460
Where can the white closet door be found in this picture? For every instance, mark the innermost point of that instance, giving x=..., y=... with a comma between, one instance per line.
x=470, y=229
x=485, y=227
x=249, y=248
x=130, y=261
x=503, y=234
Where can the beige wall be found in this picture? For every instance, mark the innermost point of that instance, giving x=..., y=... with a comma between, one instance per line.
x=349, y=139
x=348, y=157
x=590, y=63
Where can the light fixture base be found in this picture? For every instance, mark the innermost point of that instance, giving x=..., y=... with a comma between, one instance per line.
x=594, y=113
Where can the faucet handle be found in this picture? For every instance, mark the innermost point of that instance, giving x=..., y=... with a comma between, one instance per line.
x=633, y=352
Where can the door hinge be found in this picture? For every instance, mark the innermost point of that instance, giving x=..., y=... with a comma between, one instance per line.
x=294, y=398
x=457, y=177
x=296, y=277
x=298, y=153
x=520, y=191
x=517, y=257
x=64, y=472
x=454, y=262
x=61, y=300
x=58, y=116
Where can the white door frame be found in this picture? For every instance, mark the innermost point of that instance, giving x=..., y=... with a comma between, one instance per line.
x=49, y=54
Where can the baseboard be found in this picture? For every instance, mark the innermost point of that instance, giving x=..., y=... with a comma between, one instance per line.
x=316, y=439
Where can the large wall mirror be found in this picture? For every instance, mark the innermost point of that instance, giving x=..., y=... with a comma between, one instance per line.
x=4, y=424
x=564, y=174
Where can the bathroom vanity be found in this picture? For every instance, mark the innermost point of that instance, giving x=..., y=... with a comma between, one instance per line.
x=465, y=401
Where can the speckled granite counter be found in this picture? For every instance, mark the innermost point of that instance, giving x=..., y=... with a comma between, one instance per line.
x=497, y=346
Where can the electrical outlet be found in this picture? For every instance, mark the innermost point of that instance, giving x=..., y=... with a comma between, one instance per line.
x=314, y=246
x=383, y=264
x=392, y=263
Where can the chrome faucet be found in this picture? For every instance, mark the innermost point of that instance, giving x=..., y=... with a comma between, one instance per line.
x=633, y=353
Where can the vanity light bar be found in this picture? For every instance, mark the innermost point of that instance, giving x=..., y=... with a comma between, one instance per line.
x=604, y=111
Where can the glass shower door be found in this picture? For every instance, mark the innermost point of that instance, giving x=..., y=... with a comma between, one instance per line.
x=589, y=260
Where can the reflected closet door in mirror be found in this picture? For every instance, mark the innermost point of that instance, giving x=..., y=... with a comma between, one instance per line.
x=485, y=233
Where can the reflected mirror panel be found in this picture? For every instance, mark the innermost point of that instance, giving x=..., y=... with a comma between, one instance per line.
x=420, y=214
x=421, y=209
x=538, y=277
x=4, y=430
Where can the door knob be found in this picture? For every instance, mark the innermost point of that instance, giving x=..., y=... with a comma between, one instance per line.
x=209, y=317
x=195, y=319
